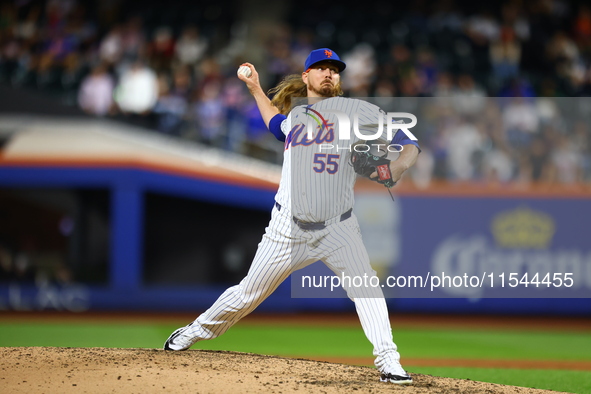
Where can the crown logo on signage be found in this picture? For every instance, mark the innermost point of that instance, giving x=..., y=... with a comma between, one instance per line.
x=523, y=228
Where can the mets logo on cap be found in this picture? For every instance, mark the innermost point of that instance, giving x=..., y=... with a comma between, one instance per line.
x=326, y=55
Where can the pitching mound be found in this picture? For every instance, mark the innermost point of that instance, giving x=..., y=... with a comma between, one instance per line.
x=101, y=370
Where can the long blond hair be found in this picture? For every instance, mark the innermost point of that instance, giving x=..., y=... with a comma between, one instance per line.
x=292, y=86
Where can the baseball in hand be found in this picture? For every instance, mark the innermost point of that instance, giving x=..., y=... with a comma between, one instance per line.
x=244, y=70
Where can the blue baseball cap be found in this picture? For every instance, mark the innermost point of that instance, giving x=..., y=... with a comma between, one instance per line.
x=324, y=55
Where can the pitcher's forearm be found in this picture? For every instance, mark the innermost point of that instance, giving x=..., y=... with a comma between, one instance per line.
x=408, y=156
x=266, y=108
x=253, y=85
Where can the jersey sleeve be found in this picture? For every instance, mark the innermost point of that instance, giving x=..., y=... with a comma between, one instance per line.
x=368, y=113
x=400, y=138
x=277, y=126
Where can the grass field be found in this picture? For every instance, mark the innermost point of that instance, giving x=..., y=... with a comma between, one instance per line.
x=346, y=342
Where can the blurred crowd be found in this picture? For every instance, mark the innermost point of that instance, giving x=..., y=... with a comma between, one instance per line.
x=503, y=140
x=172, y=69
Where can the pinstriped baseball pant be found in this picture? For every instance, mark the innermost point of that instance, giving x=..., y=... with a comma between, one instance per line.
x=286, y=248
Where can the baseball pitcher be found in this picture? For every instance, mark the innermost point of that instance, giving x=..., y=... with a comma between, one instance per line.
x=312, y=217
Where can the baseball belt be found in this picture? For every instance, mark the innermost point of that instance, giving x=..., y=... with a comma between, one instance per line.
x=314, y=226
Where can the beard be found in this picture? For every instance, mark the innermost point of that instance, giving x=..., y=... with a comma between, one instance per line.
x=326, y=89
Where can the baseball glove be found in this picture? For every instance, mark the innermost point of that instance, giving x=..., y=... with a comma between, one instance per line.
x=366, y=163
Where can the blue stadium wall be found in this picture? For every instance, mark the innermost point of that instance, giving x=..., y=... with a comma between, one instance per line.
x=558, y=233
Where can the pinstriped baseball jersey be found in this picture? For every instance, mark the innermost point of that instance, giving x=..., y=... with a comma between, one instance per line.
x=317, y=180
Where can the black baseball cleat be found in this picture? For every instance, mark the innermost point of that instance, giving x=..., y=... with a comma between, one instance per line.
x=396, y=379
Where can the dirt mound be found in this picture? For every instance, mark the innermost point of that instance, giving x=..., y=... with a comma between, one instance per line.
x=100, y=370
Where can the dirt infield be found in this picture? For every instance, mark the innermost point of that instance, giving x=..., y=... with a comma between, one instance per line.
x=102, y=370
